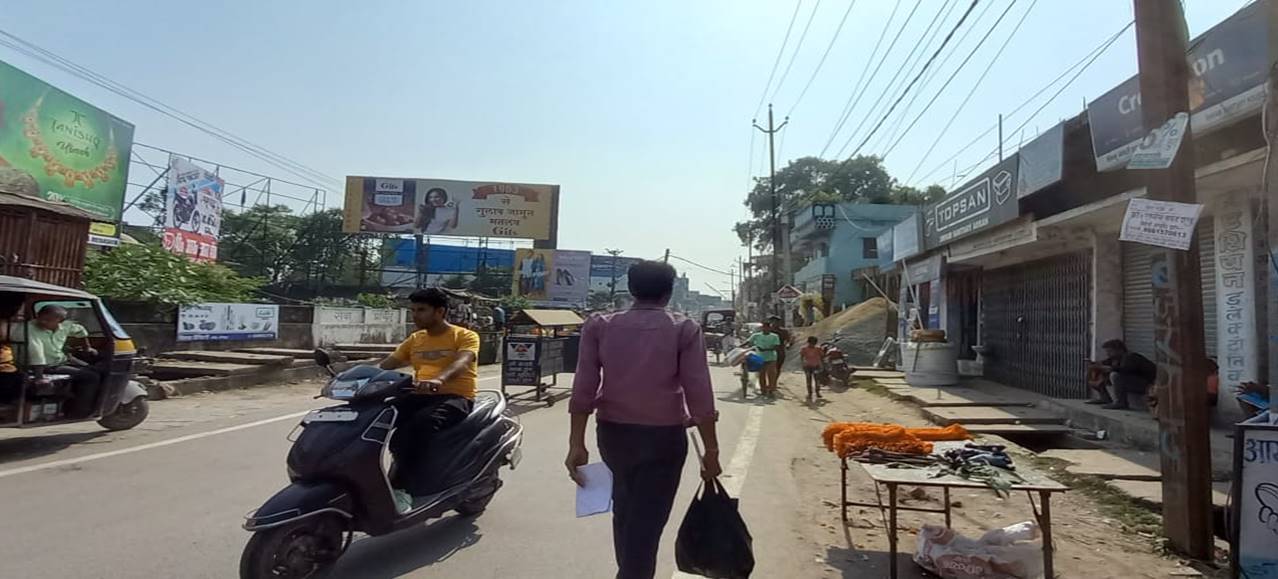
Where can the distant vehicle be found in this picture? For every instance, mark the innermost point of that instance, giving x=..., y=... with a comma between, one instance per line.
x=715, y=324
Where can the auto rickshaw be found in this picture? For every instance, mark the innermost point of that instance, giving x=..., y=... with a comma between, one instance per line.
x=715, y=324
x=119, y=403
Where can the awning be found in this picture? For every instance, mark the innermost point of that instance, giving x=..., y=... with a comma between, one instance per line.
x=549, y=318
x=27, y=202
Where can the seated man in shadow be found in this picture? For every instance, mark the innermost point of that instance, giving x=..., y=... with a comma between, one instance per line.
x=47, y=337
x=1125, y=371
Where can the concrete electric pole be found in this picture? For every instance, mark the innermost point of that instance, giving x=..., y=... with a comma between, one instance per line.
x=1271, y=191
x=777, y=240
x=1185, y=452
x=612, y=285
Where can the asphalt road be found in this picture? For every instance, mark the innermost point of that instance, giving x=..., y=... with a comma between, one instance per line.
x=166, y=500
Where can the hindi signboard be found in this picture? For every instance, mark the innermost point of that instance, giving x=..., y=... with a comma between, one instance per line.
x=445, y=207
x=193, y=210
x=1237, y=343
x=223, y=322
x=1160, y=223
x=57, y=147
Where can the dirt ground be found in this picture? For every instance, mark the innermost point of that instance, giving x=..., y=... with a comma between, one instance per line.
x=1088, y=543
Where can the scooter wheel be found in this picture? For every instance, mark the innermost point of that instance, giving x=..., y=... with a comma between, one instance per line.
x=475, y=505
x=297, y=550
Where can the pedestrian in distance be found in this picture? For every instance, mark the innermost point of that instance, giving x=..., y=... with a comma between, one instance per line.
x=778, y=328
x=767, y=344
x=813, y=358
x=644, y=371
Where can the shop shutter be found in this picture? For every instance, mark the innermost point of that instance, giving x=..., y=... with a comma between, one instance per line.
x=1138, y=300
x=1207, y=262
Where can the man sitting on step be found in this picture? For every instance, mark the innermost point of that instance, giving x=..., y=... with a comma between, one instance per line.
x=1126, y=372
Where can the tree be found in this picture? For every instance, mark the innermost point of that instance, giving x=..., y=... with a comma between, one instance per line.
x=492, y=282
x=257, y=242
x=455, y=281
x=149, y=273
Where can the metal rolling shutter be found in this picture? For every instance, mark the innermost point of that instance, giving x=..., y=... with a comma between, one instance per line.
x=1138, y=294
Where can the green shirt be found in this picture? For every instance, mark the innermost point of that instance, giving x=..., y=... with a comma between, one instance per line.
x=767, y=345
x=45, y=348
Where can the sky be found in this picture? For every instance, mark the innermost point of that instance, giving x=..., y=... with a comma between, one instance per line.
x=640, y=111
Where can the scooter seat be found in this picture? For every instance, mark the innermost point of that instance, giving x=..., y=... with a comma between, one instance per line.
x=483, y=412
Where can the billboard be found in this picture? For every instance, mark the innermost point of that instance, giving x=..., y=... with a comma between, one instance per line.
x=981, y=203
x=443, y=207
x=552, y=277
x=1228, y=67
x=193, y=210
x=58, y=147
x=219, y=322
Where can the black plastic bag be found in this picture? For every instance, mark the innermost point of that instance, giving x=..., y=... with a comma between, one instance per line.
x=713, y=539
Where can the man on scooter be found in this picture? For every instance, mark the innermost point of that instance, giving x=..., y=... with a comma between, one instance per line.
x=444, y=359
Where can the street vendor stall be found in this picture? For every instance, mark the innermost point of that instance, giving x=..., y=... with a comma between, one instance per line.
x=539, y=344
x=473, y=310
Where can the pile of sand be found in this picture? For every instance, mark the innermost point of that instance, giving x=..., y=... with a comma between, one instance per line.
x=858, y=331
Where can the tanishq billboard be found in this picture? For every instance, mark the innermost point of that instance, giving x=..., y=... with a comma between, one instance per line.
x=58, y=147
x=444, y=207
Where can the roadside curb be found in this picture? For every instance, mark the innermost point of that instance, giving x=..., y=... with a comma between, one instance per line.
x=267, y=376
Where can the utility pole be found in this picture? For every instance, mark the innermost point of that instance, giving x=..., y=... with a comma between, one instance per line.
x=1184, y=446
x=666, y=259
x=1271, y=193
x=771, y=132
x=612, y=285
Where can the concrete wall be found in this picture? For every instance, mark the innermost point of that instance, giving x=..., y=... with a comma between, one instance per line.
x=357, y=326
x=1107, y=290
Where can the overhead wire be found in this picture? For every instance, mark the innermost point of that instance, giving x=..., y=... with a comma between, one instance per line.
x=705, y=267
x=970, y=93
x=785, y=41
x=854, y=96
x=1087, y=59
x=955, y=74
x=51, y=58
x=959, y=24
x=821, y=62
x=797, y=47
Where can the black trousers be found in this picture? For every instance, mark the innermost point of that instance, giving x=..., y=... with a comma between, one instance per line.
x=85, y=382
x=421, y=417
x=646, y=463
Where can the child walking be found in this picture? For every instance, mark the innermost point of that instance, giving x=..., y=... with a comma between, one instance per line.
x=812, y=356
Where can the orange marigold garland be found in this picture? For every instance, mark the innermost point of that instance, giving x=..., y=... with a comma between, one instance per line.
x=848, y=438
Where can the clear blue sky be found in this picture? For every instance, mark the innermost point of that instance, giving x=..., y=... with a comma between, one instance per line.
x=639, y=110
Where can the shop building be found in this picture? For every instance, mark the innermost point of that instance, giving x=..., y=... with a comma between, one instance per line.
x=835, y=243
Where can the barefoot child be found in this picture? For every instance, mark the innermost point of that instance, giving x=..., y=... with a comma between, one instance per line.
x=812, y=356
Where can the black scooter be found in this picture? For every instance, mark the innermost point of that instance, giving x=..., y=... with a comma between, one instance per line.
x=340, y=484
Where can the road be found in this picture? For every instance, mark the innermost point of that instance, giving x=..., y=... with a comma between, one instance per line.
x=166, y=500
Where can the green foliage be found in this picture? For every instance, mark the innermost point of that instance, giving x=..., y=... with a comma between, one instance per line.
x=513, y=302
x=379, y=301
x=148, y=273
x=273, y=243
x=455, y=281
x=491, y=282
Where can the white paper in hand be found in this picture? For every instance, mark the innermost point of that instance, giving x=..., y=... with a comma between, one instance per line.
x=595, y=495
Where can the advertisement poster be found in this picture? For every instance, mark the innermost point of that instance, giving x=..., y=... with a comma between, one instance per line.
x=193, y=212
x=222, y=322
x=57, y=147
x=443, y=207
x=552, y=277
x=1160, y=223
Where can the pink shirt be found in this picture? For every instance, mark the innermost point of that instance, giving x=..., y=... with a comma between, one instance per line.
x=643, y=366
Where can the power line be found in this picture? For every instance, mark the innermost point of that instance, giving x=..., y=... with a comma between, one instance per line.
x=984, y=73
x=1085, y=61
x=797, y=47
x=1047, y=102
x=970, y=7
x=956, y=72
x=856, y=86
x=824, y=55
x=50, y=58
x=705, y=267
x=777, y=62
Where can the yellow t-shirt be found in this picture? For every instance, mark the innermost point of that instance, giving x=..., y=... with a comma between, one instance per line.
x=430, y=355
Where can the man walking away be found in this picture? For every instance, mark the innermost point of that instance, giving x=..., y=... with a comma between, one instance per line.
x=778, y=328
x=812, y=359
x=645, y=371
x=767, y=343
x=1127, y=372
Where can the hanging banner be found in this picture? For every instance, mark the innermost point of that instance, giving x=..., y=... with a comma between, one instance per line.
x=1158, y=149
x=443, y=207
x=57, y=147
x=1237, y=347
x=193, y=213
x=1228, y=66
x=1160, y=223
x=552, y=277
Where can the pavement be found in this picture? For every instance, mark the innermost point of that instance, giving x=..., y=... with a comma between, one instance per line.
x=167, y=499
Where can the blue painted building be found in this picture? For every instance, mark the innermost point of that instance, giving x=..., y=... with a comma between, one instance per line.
x=829, y=242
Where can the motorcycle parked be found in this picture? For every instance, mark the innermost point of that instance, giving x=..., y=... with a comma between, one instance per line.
x=339, y=485
x=835, y=365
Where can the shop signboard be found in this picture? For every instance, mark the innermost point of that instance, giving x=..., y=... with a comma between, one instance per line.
x=1237, y=347
x=445, y=207
x=984, y=202
x=1041, y=161
x=924, y=270
x=57, y=147
x=193, y=210
x=1228, y=65
x=216, y=322
x=519, y=365
x=552, y=277
x=905, y=238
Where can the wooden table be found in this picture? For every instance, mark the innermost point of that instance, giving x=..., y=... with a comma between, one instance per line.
x=883, y=475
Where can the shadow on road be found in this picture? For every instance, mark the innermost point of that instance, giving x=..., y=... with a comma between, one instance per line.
x=36, y=445
x=402, y=553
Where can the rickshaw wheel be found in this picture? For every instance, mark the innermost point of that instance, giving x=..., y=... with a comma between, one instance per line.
x=126, y=416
